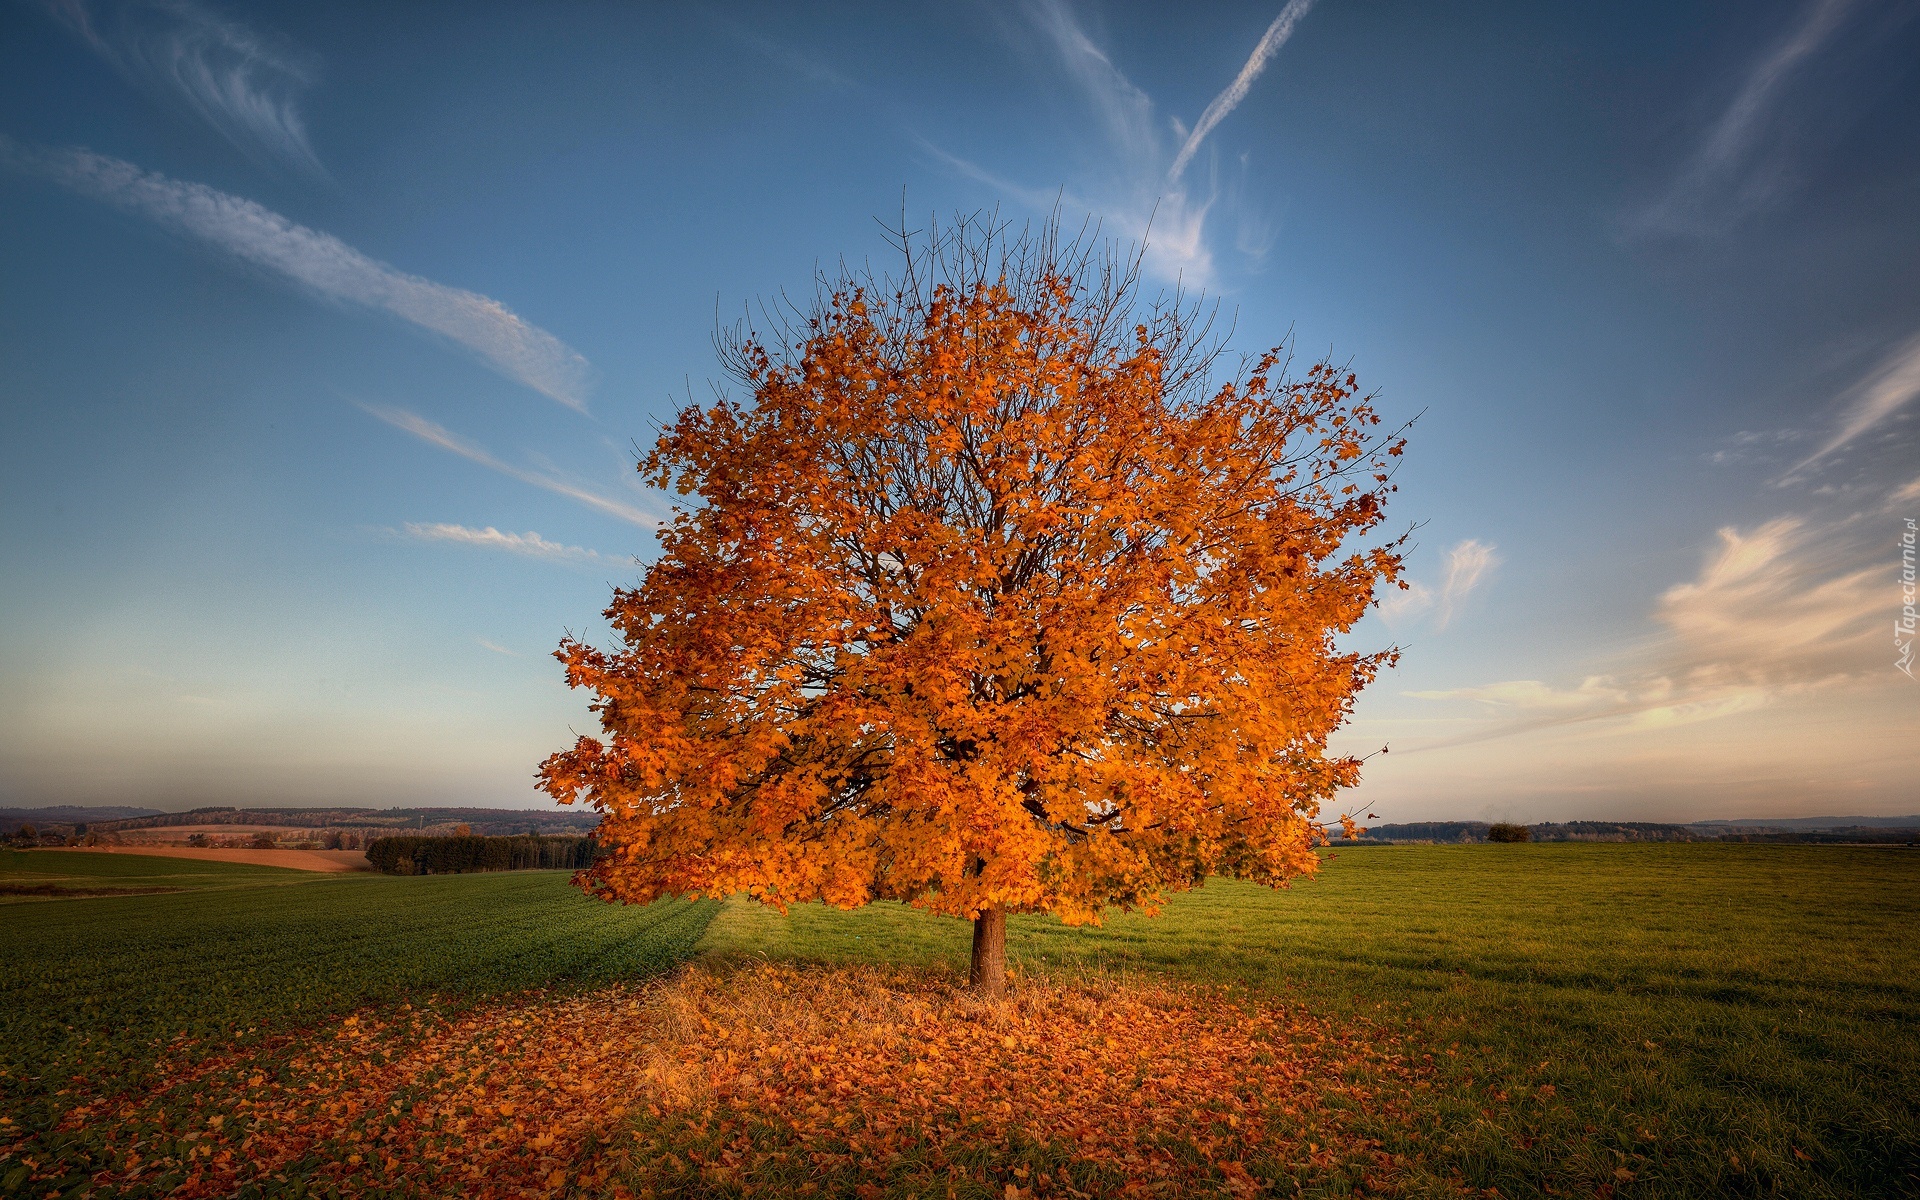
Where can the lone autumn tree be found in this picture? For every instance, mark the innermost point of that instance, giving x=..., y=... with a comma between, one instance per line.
x=997, y=595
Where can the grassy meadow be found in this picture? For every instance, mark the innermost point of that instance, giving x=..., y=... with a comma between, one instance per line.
x=106, y=992
x=1710, y=1019
x=30, y=876
x=1561, y=1019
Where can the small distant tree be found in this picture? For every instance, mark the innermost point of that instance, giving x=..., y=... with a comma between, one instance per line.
x=1502, y=831
x=197, y=839
x=996, y=596
x=263, y=841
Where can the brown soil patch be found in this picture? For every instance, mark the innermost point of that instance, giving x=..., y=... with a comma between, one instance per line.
x=298, y=860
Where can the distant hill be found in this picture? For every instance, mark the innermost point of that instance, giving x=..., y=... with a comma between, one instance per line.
x=1812, y=830
x=1569, y=831
x=1810, y=823
x=485, y=821
x=11, y=819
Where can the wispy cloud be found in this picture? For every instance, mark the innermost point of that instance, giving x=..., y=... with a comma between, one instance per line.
x=1125, y=110
x=1139, y=190
x=1531, y=695
x=237, y=81
x=1785, y=608
x=530, y=544
x=1468, y=564
x=1754, y=446
x=319, y=261
x=1722, y=179
x=1134, y=197
x=1789, y=602
x=1031, y=197
x=1885, y=390
x=440, y=436
x=807, y=67
x=484, y=644
x=1275, y=37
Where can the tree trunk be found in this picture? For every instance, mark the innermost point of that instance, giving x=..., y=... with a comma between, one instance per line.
x=988, y=975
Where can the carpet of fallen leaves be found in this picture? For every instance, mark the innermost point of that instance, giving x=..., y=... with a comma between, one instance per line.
x=517, y=1098
x=778, y=1080
x=774, y=1080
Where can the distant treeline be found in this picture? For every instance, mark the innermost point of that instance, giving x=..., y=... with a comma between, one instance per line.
x=1609, y=831
x=1638, y=831
x=1859, y=835
x=414, y=855
x=1546, y=831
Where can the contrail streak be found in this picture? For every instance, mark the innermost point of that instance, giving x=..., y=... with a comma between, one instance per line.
x=447, y=440
x=1271, y=41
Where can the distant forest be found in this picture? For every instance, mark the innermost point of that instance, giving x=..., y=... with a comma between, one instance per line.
x=1875, y=830
x=403, y=855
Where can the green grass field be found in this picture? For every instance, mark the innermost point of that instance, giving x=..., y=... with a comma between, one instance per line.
x=94, y=984
x=1712, y=1019
x=27, y=876
x=99, y=988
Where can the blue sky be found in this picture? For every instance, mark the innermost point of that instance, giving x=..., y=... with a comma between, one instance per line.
x=329, y=333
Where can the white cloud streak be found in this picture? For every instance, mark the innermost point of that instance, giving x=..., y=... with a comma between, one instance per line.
x=1139, y=197
x=1275, y=37
x=320, y=262
x=1468, y=564
x=1531, y=695
x=1404, y=604
x=529, y=544
x=437, y=435
x=1700, y=199
x=1786, y=603
x=1031, y=197
x=1889, y=387
x=1786, y=608
x=246, y=89
x=1125, y=110
x=1136, y=199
